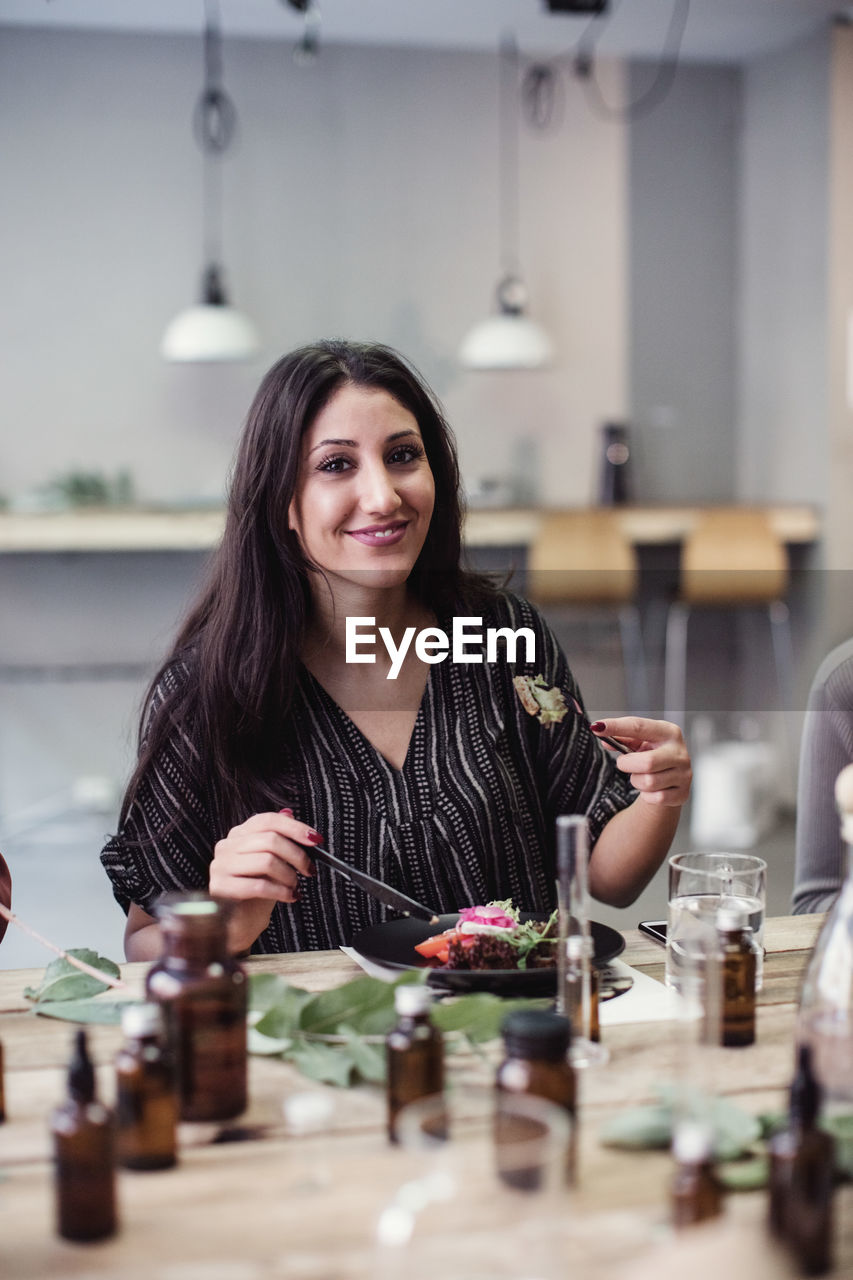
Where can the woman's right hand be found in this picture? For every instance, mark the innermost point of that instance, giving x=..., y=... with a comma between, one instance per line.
x=257, y=865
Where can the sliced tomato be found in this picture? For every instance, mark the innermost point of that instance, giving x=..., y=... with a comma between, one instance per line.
x=433, y=946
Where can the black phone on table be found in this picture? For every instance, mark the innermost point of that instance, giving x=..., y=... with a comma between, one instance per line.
x=655, y=929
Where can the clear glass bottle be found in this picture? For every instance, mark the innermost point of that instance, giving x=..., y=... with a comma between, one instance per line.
x=738, y=959
x=825, y=1019
x=414, y=1053
x=802, y=1176
x=84, y=1155
x=695, y=1193
x=537, y=1061
x=146, y=1092
x=203, y=993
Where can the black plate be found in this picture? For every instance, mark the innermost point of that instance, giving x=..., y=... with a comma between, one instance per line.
x=393, y=944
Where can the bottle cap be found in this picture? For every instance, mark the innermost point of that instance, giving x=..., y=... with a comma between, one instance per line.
x=692, y=1142
x=142, y=1020
x=310, y=1111
x=731, y=918
x=81, y=1073
x=537, y=1033
x=412, y=999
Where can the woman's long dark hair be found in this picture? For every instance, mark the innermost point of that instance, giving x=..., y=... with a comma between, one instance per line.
x=241, y=640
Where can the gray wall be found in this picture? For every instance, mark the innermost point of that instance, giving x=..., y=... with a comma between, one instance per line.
x=782, y=439
x=360, y=200
x=683, y=230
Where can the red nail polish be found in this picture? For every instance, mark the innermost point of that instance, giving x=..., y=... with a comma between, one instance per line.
x=598, y=726
x=314, y=837
x=287, y=812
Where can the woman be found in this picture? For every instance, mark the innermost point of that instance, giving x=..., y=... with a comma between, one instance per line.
x=264, y=735
x=826, y=747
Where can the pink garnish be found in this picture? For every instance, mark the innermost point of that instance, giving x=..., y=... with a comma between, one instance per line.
x=492, y=916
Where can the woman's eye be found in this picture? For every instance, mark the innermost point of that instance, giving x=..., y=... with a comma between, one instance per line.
x=407, y=453
x=336, y=463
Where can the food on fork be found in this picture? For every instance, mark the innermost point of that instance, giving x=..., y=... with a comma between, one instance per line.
x=538, y=700
x=492, y=937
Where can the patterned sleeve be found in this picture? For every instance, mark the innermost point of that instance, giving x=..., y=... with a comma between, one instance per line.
x=166, y=836
x=578, y=774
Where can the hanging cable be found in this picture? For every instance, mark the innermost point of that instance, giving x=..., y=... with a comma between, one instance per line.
x=542, y=84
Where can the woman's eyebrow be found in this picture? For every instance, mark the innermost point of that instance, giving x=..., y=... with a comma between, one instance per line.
x=353, y=444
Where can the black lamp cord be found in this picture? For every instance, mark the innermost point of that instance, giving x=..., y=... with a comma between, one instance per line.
x=214, y=126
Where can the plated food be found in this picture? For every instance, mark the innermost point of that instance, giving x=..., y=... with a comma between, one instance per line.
x=493, y=936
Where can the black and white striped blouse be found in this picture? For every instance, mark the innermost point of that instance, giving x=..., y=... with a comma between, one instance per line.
x=468, y=819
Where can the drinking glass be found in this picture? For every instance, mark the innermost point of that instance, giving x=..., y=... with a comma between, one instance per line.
x=486, y=1170
x=701, y=883
x=575, y=994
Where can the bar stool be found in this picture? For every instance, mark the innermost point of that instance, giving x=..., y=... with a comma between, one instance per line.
x=731, y=559
x=583, y=559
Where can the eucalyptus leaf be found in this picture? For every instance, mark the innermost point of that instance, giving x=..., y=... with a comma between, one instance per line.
x=841, y=1128
x=106, y=1012
x=266, y=1046
x=282, y=1019
x=63, y=981
x=651, y=1126
x=364, y=1004
x=369, y=1059
x=265, y=991
x=479, y=1015
x=322, y=1062
x=639, y=1128
x=744, y=1175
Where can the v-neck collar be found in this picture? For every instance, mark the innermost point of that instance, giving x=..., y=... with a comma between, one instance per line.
x=358, y=740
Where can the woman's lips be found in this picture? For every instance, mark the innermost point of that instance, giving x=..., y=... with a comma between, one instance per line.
x=379, y=535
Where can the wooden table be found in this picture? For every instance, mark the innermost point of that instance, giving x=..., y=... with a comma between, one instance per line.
x=267, y=1204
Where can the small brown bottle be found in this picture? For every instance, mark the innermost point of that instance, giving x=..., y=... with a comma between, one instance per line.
x=695, y=1193
x=802, y=1175
x=414, y=1053
x=146, y=1093
x=536, y=1061
x=202, y=992
x=737, y=966
x=84, y=1155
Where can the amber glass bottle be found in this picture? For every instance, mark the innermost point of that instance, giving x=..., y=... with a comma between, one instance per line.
x=202, y=991
x=536, y=1061
x=146, y=1093
x=738, y=960
x=696, y=1194
x=414, y=1053
x=84, y=1155
x=802, y=1174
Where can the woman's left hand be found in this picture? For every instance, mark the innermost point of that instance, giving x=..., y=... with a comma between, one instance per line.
x=658, y=760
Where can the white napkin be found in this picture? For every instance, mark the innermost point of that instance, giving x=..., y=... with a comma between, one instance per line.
x=647, y=1001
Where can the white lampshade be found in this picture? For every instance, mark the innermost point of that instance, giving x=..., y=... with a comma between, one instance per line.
x=209, y=332
x=506, y=341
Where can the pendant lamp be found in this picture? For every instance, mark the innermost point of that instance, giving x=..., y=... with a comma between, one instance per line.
x=508, y=339
x=212, y=330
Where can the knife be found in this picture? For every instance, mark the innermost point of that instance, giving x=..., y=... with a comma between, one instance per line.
x=376, y=888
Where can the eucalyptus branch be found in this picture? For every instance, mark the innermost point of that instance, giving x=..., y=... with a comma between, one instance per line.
x=78, y=964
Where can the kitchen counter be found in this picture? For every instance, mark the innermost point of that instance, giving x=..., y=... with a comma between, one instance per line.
x=199, y=530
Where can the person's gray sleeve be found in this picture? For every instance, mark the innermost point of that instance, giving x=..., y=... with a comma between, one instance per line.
x=826, y=747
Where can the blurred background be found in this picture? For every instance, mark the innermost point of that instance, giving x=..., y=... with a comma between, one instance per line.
x=672, y=182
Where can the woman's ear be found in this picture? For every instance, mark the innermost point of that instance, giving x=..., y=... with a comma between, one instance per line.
x=292, y=518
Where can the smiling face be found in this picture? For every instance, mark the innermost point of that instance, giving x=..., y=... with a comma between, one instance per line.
x=365, y=492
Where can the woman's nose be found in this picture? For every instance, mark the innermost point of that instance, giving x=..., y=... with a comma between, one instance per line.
x=378, y=495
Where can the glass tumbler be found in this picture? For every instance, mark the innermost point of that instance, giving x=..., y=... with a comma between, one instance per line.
x=699, y=884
